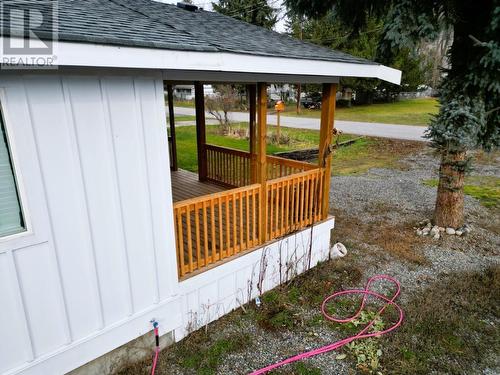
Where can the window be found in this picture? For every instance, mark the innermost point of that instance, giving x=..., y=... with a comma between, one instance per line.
x=11, y=216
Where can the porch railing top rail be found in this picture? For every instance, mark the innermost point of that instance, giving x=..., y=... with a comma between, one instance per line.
x=292, y=163
x=234, y=151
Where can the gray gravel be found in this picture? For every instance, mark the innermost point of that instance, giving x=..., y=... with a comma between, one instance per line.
x=396, y=197
x=400, y=197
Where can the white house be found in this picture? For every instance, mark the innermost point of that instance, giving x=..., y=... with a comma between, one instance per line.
x=186, y=92
x=97, y=235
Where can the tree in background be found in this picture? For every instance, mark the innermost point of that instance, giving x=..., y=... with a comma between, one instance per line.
x=469, y=115
x=256, y=12
x=331, y=31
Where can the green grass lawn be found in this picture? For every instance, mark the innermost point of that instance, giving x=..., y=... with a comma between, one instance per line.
x=186, y=142
x=184, y=118
x=404, y=112
x=484, y=188
x=184, y=103
x=363, y=154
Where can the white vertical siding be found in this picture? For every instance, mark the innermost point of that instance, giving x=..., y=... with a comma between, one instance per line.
x=18, y=349
x=98, y=259
x=92, y=157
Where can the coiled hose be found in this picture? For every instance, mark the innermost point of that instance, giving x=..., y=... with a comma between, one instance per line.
x=362, y=334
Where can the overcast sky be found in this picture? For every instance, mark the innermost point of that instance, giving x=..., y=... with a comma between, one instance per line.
x=207, y=5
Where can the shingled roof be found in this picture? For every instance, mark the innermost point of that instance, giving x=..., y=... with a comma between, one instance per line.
x=146, y=23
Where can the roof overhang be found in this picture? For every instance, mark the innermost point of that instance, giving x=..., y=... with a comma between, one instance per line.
x=173, y=62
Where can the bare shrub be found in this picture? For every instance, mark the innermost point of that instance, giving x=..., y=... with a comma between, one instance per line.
x=284, y=139
x=219, y=105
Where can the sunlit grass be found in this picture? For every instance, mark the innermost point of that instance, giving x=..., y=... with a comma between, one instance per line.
x=484, y=188
x=404, y=112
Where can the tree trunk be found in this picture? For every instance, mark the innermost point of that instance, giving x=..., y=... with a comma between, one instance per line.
x=449, y=210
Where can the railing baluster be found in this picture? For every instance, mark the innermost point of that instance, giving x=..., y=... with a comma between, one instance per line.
x=180, y=243
x=189, y=239
x=197, y=235
x=221, y=233
x=247, y=217
x=254, y=221
x=302, y=197
x=240, y=224
x=205, y=232
x=234, y=224
x=212, y=230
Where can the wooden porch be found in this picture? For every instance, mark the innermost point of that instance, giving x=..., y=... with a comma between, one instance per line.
x=240, y=200
x=186, y=185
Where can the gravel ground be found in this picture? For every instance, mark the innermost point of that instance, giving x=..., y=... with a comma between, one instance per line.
x=394, y=199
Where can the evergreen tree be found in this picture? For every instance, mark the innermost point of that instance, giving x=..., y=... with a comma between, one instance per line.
x=469, y=115
x=256, y=12
x=331, y=31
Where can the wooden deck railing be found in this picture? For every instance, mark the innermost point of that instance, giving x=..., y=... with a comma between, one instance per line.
x=280, y=167
x=228, y=166
x=216, y=226
x=294, y=202
x=231, y=168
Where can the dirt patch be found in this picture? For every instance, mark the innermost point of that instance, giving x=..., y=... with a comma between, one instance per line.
x=368, y=153
x=450, y=327
x=397, y=241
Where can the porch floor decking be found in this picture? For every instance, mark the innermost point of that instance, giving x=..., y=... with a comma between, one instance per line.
x=185, y=185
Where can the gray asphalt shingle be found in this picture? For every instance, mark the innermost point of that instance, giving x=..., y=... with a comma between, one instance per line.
x=146, y=23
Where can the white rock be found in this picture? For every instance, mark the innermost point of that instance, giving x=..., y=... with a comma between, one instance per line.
x=441, y=229
x=429, y=225
x=426, y=230
x=419, y=232
x=459, y=232
x=450, y=231
x=434, y=231
x=436, y=236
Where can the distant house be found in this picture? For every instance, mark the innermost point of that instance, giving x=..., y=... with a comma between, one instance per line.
x=98, y=236
x=186, y=92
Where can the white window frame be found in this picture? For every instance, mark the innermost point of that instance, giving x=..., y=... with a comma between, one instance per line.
x=14, y=160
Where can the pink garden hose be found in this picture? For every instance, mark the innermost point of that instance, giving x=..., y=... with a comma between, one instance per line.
x=157, y=347
x=362, y=334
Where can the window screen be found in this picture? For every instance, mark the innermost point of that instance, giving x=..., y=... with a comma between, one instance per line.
x=11, y=217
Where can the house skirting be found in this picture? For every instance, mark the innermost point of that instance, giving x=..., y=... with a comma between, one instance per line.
x=209, y=295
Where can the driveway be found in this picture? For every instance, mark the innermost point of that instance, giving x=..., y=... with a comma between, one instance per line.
x=406, y=132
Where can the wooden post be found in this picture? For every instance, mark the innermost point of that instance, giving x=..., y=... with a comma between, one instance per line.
x=261, y=157
x=278, y=127
x=201, y=140
x=252, y=128
x=171, y=117
x=325, y=139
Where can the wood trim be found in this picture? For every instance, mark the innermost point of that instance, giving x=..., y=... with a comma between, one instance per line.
x=252, y=126
x=171, y=117
x=325, y=139
x=261, y=156
x=228, y=150
x=201, y=139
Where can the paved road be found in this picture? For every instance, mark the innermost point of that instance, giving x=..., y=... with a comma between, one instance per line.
x=406, y=132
